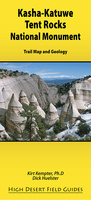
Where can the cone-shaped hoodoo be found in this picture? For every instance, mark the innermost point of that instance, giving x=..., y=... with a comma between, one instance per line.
x=14, y=121
x=52, y=115
x=34, y=102
x=23, y=98
x=70, y=111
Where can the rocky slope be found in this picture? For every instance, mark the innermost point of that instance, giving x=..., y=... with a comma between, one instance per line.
x=30, y=84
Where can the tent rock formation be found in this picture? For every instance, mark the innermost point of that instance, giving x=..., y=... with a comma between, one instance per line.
x=14, y=121
x=70, y=111
x=52, y=115
x=4, y=101
x=34, y=128
x=34, y=102
x=23, y=98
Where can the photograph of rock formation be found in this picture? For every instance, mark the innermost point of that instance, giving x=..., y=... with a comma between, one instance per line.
x=48, y=102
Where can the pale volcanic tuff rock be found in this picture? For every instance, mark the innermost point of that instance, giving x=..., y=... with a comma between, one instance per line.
x=23, y=98
x=45, y=94
x=3, y=133
x=84, y=87
x=69, y=111
x=41, y=111
x=52, y=115
x=34, y=128
x=34, y=102
x=14, y=121
x=5, y=94
x=6, y=97
x=78, y=100
x=30, y=84
x=4, y=101
x=70, y=99
x=72, y=113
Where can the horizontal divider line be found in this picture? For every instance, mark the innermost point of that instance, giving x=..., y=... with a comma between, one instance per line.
x=46, y=192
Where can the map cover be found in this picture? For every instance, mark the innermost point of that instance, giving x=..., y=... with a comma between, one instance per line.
x=45, y=100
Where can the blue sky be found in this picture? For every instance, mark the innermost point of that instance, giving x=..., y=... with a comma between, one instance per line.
x=51, y=70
